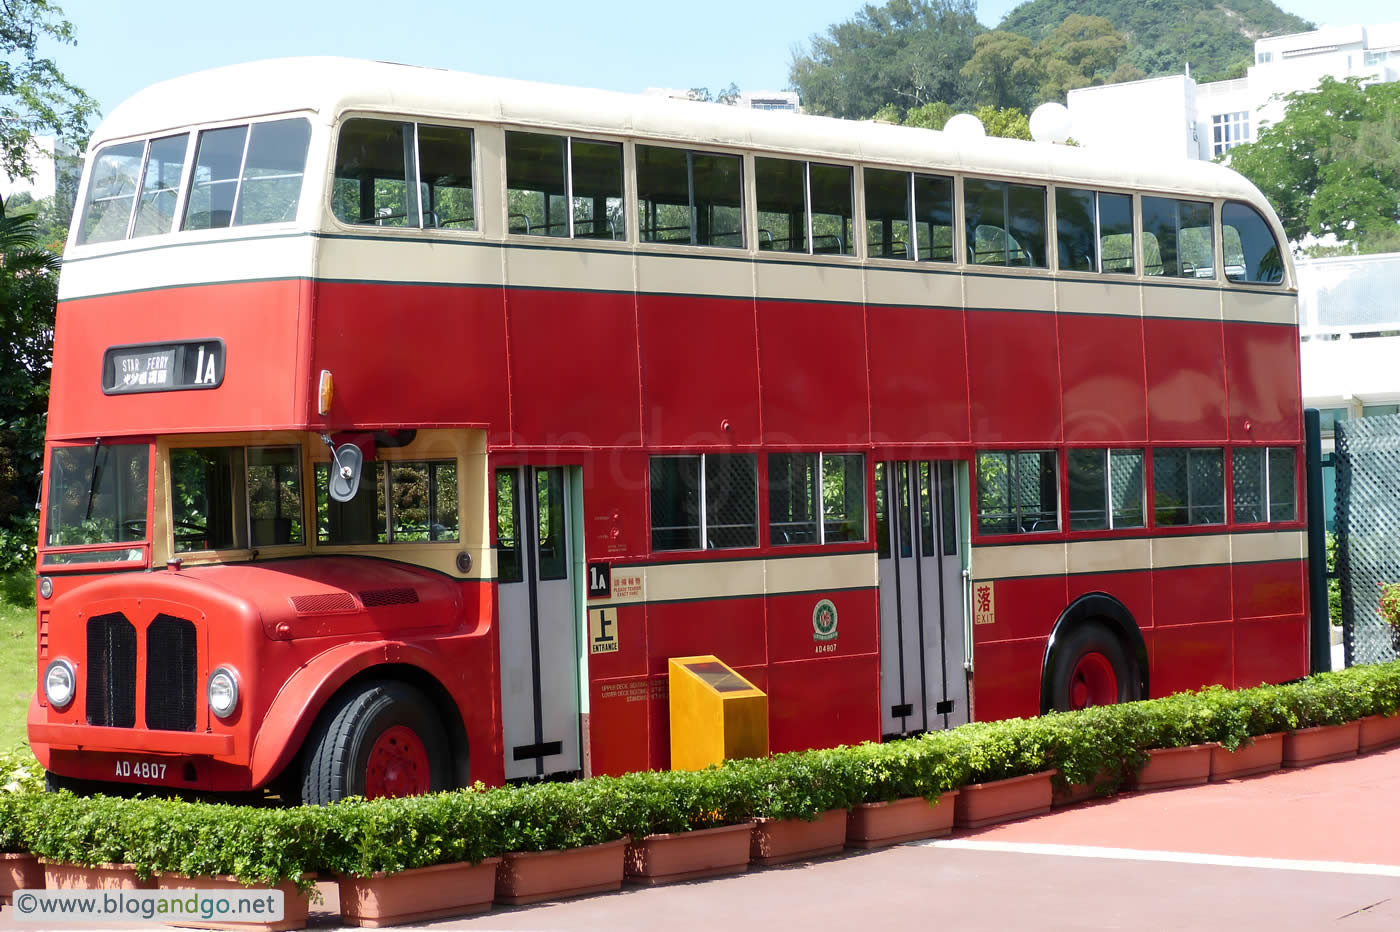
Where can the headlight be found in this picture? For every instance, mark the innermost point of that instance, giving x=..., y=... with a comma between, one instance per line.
x=223, y=692
x=60, y=684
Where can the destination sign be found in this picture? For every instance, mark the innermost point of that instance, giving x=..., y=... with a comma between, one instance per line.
x=163, y=367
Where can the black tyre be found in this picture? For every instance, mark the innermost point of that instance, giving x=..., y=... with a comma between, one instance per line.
x=1091, y=668
x=55, y=783
x=380, y=739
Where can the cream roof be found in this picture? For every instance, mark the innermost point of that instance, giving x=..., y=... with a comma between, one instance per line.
x=330, y=86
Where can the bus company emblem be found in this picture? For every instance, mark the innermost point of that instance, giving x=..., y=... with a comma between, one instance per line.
x=824, y=621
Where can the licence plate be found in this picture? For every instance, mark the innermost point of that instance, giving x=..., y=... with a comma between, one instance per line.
x=140, y=770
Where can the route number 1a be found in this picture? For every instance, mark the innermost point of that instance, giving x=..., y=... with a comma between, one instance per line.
x=599, y=580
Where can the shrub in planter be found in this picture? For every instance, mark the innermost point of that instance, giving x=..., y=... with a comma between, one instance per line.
x=19, y=868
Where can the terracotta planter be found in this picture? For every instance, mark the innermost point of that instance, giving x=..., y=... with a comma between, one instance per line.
x=418, y=894
x=874, y=825
x=1379, y=731
x=1263, y=756
x=1075, y=793
x=294, y=903
x=1169, y=767
x=61, y=876
x=531, y=876
x=980, y=804
x=19, y=871
x=675, y=856
x=777, y=841
x=1320, y=744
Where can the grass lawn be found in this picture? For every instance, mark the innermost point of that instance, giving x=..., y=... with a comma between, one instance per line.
x=17, y=673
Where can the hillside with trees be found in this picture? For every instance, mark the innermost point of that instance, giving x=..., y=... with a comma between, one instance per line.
x=1217, y=39
x=910, y=53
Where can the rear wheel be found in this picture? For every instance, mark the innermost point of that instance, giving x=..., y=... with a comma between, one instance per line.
x=1091, y=668
x=382, y=739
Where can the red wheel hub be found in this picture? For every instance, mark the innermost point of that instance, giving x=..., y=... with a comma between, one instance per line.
x=1092, y=682
x=398, y=765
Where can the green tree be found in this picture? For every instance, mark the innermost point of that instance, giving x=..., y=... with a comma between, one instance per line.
x=1332, y=164
x=1004, y=69
x=1079, y=52
x=907, y=52
x=35, y=98
x=28, y=293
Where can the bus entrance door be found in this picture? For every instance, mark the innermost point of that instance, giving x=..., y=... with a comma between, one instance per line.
x=922, y=683
x=538, y=626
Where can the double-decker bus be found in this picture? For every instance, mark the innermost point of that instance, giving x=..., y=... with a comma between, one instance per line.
x=404, y=423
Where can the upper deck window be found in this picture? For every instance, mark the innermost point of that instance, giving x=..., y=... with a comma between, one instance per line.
x=908, y=216
x=562, y=186
x=1251, y=252
x=397, y=174
x=242, y=175
x=116, y=176
x=1094, y=231
x=1177, y=238
x=245, y=175
x=1005, y=223
x=804, y=207
x=689, y=197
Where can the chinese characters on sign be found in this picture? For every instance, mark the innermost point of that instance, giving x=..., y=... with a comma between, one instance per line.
x=984, y=606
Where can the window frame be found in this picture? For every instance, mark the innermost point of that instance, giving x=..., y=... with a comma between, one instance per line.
x=1190, y=506
x=628, y=167
x=809, y=250
x=1014, y=509
x=333, y=152
x=1045, y=185
x=1111, y=521
x=384, y=481
x=819, y=503
x=1266, y=504
x=242, y=503
x=632, y=184
x=702, y=503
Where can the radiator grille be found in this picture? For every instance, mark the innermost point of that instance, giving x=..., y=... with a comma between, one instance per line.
x=400, y=596
x=171, y=674
x=111, y=671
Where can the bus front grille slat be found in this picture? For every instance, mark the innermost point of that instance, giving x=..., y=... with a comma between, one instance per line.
x=171, y=674
x=111, y=671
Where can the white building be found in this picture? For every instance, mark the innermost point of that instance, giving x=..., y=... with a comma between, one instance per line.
x=1175, y=114
x=41, y=160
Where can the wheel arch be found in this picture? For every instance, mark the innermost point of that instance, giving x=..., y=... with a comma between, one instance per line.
x=301, y=701
x=1095, y=608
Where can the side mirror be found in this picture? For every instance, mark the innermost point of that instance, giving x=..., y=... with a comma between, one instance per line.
x=345, y=477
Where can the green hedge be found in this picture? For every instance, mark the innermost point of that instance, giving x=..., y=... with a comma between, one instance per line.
x=267, y=845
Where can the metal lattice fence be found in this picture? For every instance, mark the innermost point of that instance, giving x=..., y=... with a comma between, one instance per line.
x=1368, y=532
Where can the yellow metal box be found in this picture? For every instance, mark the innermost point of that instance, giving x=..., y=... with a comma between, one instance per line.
x=716, y=714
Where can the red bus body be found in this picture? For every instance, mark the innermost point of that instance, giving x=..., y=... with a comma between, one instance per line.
x=597, y=358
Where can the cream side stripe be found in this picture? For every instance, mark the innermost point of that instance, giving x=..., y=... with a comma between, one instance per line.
x=1116, y=556
x=678, y=581
x=1190, y=551
x=475, y=261
x=1106, y=556
x=1018, y=560
x=689, y=582
x=228, y=260
x=1260, y=548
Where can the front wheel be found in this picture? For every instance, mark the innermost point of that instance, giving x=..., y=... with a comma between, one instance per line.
x=1091, y=668
x=382, y=739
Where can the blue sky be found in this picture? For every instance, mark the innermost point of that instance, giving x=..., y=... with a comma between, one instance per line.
x=626, y=45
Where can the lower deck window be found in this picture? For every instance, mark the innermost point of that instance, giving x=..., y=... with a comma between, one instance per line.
x=396, y=503
x=816, y=498
x=1105, y=489
x=1017, y=491
x=231, y=498
x=704, y=502
x=1265, y=484
x=1188, y=486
